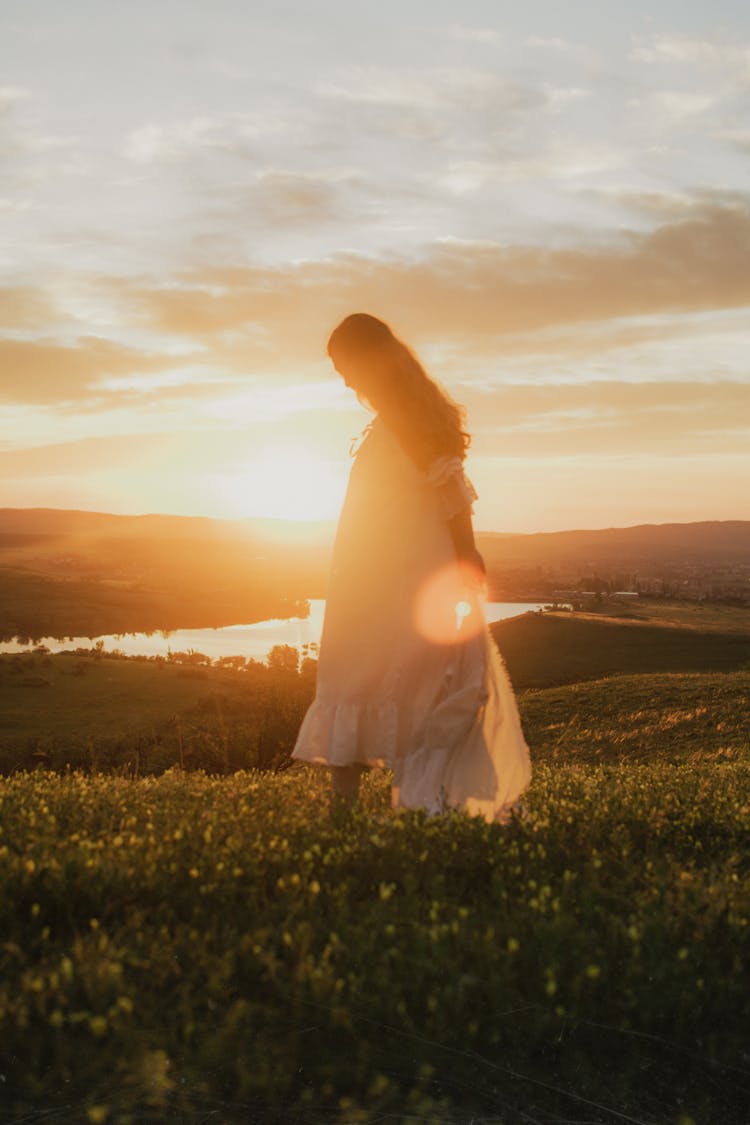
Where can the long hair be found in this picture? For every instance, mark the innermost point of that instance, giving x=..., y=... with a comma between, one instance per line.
x=427, y=422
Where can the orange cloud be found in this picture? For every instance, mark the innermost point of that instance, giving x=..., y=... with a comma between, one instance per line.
x=25, y=307
x=92, y=455
x=461, y=289
x=552, y=420
x=472, y=303
x=37, y=371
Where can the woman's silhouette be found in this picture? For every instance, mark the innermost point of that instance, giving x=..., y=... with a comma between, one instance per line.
x=408, y=676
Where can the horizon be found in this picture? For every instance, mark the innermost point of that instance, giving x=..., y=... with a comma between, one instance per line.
x=298, y=525
x=552, y=212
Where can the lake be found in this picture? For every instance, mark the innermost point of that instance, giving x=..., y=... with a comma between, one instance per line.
x=233, y=640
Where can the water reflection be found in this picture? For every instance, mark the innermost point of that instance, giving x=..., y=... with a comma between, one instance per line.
x=254, y=640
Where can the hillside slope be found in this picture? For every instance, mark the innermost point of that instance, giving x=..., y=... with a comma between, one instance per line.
x=543, y=650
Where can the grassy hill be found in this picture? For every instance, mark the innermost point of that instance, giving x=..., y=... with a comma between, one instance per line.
x=100, y=712
x=191, y=947
x=188, y=948
x=663, y=717
x=97, y=712
x=673, y=613
x=545, y=649
x=638, y=686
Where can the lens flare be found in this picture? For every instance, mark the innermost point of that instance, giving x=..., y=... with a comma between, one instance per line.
x=447, y=608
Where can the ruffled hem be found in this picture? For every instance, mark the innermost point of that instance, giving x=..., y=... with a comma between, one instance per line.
x=467, y=754
x=339, y=734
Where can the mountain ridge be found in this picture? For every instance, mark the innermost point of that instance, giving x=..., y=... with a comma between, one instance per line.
x=74, y=521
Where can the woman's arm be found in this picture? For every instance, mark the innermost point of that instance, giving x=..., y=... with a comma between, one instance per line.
x=462, y=533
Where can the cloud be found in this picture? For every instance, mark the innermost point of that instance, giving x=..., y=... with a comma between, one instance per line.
x=224, y=433
x=10, y=96
x=467, y=305
x=459, y=289
x=703, y=52
x=39, y=371
x=89, y=455
x=289, y=211
x=461, y=33
x=288, y=198
x=385, y=86
x=738, y=138
x=678, y=106
x=25, y=306
x=543, y=422
x=20, y=135
x=504, y=164
x=663, y=205
x=566, y=52
x=16, y=138
x=612, y=417
x=700, y=85
x=235, y=134
x=431, y=103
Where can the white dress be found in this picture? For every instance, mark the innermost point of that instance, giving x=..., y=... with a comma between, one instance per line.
x=403, y=680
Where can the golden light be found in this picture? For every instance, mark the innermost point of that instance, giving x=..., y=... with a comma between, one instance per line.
x=463, y=609
x=448, y=607
x=283, y=482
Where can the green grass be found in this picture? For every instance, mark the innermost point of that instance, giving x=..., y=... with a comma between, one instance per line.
x=662, y=718
x=541, y=650
x=187, y=948
x=72, y=695
x=708, y=616
x=144, y=715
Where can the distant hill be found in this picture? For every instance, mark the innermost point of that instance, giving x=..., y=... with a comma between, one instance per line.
x=711, y=557
x=706, y=542
x=74, y=522
x=66, y=573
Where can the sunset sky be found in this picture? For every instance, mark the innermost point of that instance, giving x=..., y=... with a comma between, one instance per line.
x=550, y=202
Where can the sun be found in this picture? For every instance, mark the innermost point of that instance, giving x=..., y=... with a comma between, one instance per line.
x=283, y=482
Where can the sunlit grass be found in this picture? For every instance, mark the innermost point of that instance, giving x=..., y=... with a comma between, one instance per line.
x=662, y=717
x=184, y=945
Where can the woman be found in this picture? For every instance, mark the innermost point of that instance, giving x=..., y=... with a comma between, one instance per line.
x=408, y=676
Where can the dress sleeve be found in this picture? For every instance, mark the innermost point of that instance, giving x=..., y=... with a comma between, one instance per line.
x=454, y=489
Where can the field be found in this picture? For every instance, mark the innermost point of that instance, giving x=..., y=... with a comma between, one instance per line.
x=101, y=712
x=705, y=616
x=545, y=649
x=189, y=947
x=93, y=711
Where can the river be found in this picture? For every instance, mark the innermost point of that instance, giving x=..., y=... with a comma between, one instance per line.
x=231, y=640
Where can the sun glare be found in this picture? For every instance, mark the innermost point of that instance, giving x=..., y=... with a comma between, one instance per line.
x=282, y=482
x=448, y=606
